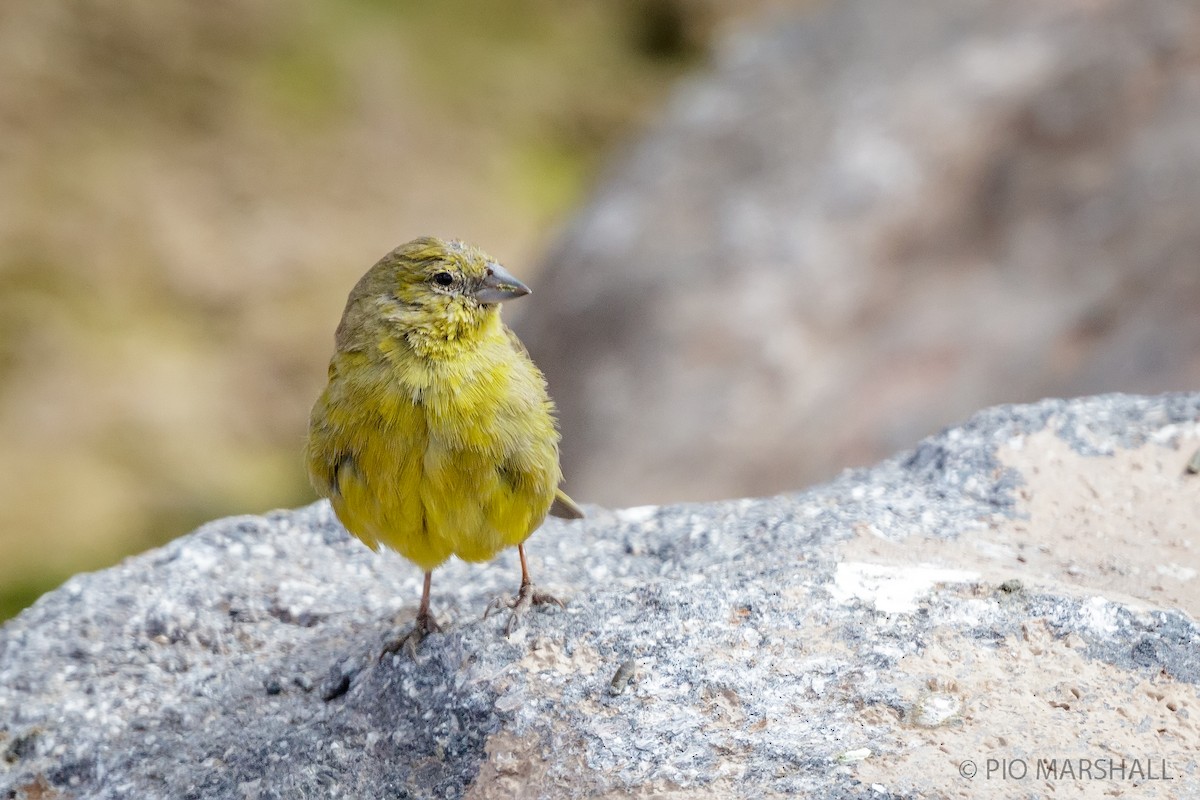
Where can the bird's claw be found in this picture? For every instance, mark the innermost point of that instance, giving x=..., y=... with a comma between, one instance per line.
x=424, y=625
x=528, y=597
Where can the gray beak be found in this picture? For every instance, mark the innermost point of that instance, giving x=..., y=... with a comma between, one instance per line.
x=499, y=286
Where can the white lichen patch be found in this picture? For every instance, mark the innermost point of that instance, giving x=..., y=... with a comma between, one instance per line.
x=935, y=709
x=892, y=589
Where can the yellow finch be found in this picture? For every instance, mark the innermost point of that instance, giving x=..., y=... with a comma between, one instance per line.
x=435, y=435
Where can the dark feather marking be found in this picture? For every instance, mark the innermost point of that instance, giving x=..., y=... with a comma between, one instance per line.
x=510, y=476
x=335, y=483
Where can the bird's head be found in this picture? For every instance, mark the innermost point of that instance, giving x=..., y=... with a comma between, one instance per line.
x=432, y=292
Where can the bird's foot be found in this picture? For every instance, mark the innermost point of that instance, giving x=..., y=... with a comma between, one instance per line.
x=424, y=625
x=528, y=597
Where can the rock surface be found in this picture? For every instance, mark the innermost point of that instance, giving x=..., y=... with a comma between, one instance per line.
x=1021, y=587
x=869, y=221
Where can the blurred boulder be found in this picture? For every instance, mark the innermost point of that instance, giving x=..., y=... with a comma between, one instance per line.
x=868, y=220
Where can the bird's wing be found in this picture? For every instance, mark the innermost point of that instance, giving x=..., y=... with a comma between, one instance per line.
x=563, y=506
x=516, y=343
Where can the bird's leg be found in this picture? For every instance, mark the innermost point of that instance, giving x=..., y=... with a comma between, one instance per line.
x=527, y=597
x=424, y=625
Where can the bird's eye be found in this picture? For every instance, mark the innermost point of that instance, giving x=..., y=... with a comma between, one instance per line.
x=443, y=279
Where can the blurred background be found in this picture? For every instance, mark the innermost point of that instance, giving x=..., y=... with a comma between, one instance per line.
x=768, y=240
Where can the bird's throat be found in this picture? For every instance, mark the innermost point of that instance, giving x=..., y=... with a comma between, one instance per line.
x=455, y=335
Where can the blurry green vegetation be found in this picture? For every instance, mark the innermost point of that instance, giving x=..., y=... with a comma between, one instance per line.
x=189, y=191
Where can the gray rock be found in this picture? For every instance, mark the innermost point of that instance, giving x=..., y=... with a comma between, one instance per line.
x=868, y=637
x=868, y=221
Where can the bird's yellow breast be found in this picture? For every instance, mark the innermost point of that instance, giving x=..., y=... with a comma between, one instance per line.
x=436, y=457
